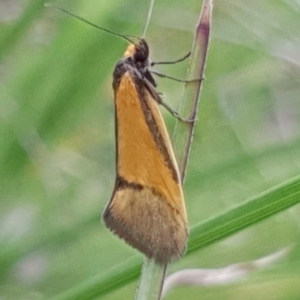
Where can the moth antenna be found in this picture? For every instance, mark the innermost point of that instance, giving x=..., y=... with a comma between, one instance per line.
x=125, y=37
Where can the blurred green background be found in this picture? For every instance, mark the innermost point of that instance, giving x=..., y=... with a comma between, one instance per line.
x=57, y=138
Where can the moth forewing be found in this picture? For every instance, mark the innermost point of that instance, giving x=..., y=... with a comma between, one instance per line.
x=147, y=206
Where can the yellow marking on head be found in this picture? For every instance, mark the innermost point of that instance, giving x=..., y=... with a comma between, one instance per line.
x=131, y=49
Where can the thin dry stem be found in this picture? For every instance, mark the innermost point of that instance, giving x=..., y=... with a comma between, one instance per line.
x=183, y=133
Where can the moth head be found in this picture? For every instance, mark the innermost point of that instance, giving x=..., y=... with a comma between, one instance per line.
x=139, y=52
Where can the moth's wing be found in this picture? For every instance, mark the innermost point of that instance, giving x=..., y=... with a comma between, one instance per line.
x=144, y=152
x=147, y=206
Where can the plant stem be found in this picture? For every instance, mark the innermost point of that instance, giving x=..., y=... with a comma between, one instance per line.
x=183, y=132
x=151, y=280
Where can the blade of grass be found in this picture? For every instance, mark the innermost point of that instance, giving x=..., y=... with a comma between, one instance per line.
x=272, y=201
x=269, y=203
x=100, y=285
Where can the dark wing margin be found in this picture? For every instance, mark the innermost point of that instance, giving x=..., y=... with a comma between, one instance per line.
x=153, y=128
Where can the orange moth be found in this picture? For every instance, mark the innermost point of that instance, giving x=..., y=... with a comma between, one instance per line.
x=147, y=207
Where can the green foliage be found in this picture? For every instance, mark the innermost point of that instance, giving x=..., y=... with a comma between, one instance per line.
x=57, y=146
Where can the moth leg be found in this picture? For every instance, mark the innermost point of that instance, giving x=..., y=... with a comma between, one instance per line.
x=173, y=78
x=160, y=101
x=173, y=112
x=171, y=62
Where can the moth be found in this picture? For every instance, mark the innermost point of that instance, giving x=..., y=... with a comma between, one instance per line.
x=147, y=208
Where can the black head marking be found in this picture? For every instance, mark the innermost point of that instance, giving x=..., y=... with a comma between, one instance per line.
x=141, y=52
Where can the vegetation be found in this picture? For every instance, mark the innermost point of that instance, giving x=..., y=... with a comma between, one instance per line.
x=57, y=146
